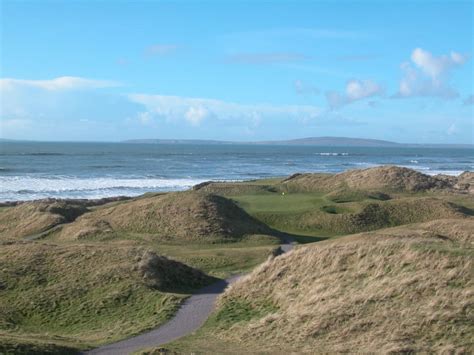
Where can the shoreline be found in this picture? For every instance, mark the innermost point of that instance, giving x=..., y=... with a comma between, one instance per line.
x=99, y=200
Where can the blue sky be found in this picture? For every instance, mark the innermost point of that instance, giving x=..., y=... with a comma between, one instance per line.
x=237, y=70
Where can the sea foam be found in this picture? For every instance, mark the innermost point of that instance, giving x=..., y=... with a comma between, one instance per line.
x=28, y=188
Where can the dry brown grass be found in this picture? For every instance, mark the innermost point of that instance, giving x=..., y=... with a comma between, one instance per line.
x=403, y=289
x=234, y=188
x=376, y=215
x=181, y=216
x=387, y=178
x=35, y=217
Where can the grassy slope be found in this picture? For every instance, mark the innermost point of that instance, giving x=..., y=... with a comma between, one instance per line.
x=180, y=217
x=395, y=290
x=315, y=214
x=80, y=295
x=294, y=213
x=35, y=217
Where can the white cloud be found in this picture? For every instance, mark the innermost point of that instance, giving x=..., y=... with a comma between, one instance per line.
x=355, y=90
x=145, y=118
x=56, y=84
x=195, y=115
x=435, y=66
x=195, y=110
x=428, y=75
x=39, y=105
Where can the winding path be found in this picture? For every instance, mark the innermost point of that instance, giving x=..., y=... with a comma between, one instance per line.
x=190, y=317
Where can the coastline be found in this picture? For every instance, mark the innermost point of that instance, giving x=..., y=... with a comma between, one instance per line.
x=103, y=199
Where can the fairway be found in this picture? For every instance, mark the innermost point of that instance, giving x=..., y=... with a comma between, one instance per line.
x=280, y=202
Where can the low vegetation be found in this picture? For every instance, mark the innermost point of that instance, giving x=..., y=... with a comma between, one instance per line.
x=84, y=295
x=404, y=289
x=386, y=178
x=35, y=217
x=75, y=274
x=175, y=217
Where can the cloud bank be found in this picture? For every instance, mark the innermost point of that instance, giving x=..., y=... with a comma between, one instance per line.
x=57, y=84
x=196, y=111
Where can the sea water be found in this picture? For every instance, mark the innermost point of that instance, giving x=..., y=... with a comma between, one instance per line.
x=94, y=170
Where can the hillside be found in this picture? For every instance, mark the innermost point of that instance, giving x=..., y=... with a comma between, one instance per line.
x=344, y=218
x=174, y=217
x=317, y=141
x=29, y=218
x=81, y=294
x=308, y=141
x=405, y=289
x=391, y=178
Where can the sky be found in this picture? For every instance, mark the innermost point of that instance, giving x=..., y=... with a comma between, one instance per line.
x=237, y=70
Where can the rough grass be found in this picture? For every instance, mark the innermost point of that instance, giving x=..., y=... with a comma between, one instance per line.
x=376, y=215
x=35, y=217
x=103, y=279
x=87, y=294
x=221, y=260
x=175, y=217
x=386, y=178
x=405, y=289
x=32, y=344
x=314, y=214
x=349, y=195
x=236, y=188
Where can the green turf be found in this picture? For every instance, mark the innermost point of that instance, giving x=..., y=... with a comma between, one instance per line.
x=107, y=312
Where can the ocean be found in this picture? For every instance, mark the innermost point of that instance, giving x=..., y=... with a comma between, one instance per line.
x=94, y=170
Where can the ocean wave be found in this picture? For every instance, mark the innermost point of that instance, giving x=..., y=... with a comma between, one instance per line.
x=323, y=154
x=28, y=188
x=42, y=154
x=106, y=166
x=443, y=172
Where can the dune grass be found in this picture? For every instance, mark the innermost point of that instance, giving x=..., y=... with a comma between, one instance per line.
x=404, y=289
x=87, y=295
x=220, y=260
x=82, y=284
x=322, y=215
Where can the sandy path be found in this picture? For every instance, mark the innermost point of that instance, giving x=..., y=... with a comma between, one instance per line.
x=190, y=317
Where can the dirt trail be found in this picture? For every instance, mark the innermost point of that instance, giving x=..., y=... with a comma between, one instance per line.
x=190, y=317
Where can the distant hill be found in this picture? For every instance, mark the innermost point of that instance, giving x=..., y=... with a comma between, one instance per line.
x=310, y=141
x=176, y=141
x=334, y=141
x=322, y=141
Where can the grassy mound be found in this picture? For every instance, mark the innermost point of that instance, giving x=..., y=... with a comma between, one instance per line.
x=385, y=178
x=31, y=218
x=234, y=189
x=350, y=218
x=83, y=294
x=181, y=217
x=348, y=195
x=12, y=344
x=406, y=289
